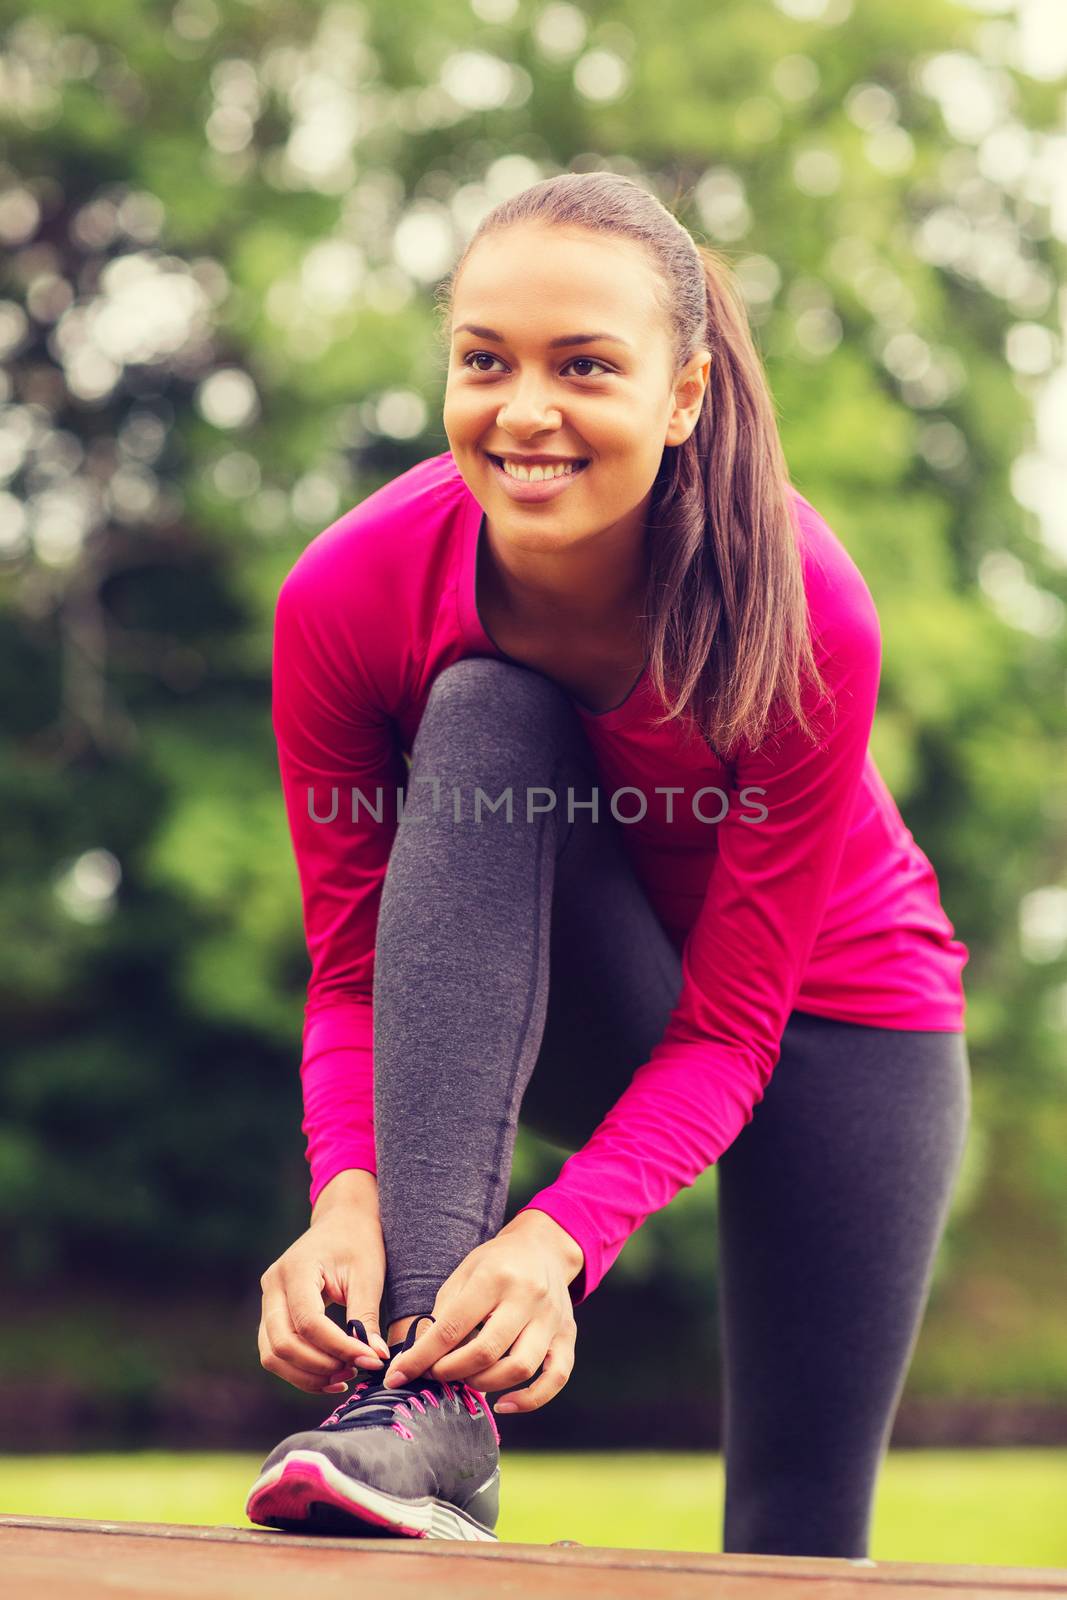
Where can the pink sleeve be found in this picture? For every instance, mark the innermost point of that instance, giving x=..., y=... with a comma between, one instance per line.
x=333, y=738
x=743, y=960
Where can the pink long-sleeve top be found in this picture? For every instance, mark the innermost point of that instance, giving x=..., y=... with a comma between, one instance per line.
x=810, y=893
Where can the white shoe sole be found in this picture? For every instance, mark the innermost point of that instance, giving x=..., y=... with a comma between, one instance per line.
x=289, y=1494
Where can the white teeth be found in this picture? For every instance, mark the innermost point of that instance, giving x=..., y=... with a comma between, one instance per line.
x=538, y=474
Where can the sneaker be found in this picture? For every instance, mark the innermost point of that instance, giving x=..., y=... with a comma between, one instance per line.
x=421, y=1462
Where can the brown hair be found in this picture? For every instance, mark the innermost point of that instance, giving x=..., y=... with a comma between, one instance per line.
x=725, y=608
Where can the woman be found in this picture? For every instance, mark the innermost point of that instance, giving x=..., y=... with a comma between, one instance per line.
x=642, y=887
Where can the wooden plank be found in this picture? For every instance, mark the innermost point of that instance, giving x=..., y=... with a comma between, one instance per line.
x=93, y=1560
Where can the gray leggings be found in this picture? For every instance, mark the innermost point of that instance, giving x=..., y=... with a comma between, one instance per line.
x=831, y=1202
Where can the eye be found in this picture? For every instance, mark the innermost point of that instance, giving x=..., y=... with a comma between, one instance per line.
x=589, y=361
x=478, y=355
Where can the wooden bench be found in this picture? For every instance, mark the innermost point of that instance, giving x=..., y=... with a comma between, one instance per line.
x=44, y=1558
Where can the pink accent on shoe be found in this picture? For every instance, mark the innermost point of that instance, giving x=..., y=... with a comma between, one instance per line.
x=343, y=1403
x=300, y=1484
x=405, y=1433
x=467, y=1396
x=415, y=1401
x=449, y=1390
x=483, y=1405
x=432, y=1398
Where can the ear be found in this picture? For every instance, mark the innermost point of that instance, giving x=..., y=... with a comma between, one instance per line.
x=689, y=392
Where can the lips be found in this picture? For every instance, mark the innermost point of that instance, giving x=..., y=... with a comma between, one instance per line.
x=533, y=492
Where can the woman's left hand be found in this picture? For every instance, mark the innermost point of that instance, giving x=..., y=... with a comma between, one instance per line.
x=516, y=1284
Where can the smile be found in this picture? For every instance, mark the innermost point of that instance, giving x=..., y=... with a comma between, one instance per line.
x=537, y=489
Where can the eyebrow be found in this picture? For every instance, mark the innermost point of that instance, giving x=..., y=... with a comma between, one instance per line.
x=553, y=344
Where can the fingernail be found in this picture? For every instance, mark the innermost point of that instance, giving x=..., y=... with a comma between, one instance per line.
x=336, y=1388
x=505, y=1405
x=373, y=1362
x=395, y=1375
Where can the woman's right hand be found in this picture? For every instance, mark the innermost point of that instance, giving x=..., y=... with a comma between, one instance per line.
x=340, y=1260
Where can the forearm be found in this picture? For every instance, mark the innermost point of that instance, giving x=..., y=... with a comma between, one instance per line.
x=352, y=1187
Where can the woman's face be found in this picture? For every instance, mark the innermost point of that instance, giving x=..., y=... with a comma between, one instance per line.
x=609, y=400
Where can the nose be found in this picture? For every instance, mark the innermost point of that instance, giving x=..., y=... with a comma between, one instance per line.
x=527, y=410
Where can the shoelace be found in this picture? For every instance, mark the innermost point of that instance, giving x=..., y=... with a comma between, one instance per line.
x=376, y=1404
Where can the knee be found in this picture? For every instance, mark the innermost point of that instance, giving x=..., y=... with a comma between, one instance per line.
x=485, y=679
x=491, y=722
x=504, y=689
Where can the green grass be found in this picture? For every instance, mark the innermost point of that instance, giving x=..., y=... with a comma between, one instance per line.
x=990, y=1507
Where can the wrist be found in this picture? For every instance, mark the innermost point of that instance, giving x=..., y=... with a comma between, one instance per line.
x=554, y=1234
x=352, y=1187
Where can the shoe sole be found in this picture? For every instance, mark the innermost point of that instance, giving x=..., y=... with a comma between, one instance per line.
x=306, y=1492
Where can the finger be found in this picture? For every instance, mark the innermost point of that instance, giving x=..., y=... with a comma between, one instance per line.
x=323, y=1383
x=516, y=1365
x=288, y=1345
x=339, y=1382
x=558, y=1366
x=487, y=1350
x=315, y=1331
x=365, y=1331
x=455, y=1314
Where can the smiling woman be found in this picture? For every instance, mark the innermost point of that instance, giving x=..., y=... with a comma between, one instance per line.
x=608, y=576
x=670, y=436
